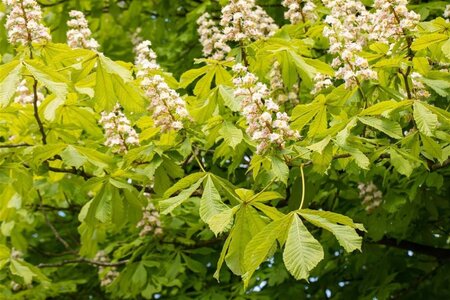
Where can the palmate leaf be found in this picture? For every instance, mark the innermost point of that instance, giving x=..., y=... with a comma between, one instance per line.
x=302, y=251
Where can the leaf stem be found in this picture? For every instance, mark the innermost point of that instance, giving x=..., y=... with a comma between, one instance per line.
x=303, y=186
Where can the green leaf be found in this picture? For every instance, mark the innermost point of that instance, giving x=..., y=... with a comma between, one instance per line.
x=446, y=48
x=184, y=183
x=189, y=76
x=248, y=224
x=20, y=269
x=266, y=196
x=221, y=222
x=128, y=95
x=95, y=157
x=261, y=244
x=4, y=255
x=431, y=147
x=231, y=134
x=280, y=169
x=212, y=205
x=227, y=95
x=346, y=235
x=384, y=107
x=402, y=165
x=105, y=98
x=319, y=146
x=10, y=74
x=269, y=211
x=52, y=80
x=170, y=204
x=72, y=157
x=426, y=121
x=222, y=256
x=386, y=126
x=427, y=40
x=302, y=252
x=335, y=218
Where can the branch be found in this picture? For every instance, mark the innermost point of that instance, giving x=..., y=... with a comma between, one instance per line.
x=439, y=253
x=83, y=260
x=15, y=145
x=437, y=166
x=55, y=232
x=36, y=113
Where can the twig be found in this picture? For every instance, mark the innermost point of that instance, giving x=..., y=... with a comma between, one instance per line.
x=49, y=224
x=15, y=145
x=82, y=260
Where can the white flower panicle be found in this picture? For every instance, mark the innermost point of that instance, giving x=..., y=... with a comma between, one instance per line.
x=391, y=20
x=150, y=221
x=167, y=108
x=211, y=38
x=278, y=90
x=241, y=20
x=244, y=20
x=447, y=12
x=107, y=274
x=145, y=60
x=24, y=96
x=79, y=34
x=267, y=125
x=136, y=39
x=24, y=23
x=321, y=82
x=299, y=11
x=348, y=22
x=370, y=195
x=419, y=90
x=120, y=135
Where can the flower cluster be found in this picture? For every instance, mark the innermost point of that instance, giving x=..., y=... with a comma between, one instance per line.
x=348, y=21
x=120, y=135
x=211, y=38
x=241, y=20
x=299, y=11
x=370, y=195
x=267, y=125
x=321, y=82
x=419, y=89
x=244, y=20
x=79, y=34
x=150, y=221
x=278, y=89
x=108, y=274
x=447, y=12
x=24, y=23
x=24, y=96
x=167, y=107
x=391, y=20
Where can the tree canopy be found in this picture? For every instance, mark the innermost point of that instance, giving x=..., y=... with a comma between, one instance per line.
x=187, y=149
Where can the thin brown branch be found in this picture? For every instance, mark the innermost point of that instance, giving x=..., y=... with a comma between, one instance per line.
x=50, y=225
x=15, y=145
x=439, y=253
x=82, y=260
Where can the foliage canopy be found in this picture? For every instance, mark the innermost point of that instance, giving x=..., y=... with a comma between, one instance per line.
x=347, y=195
